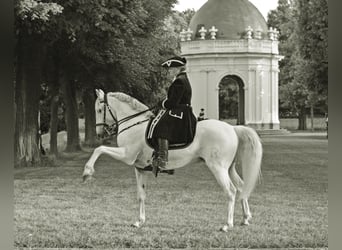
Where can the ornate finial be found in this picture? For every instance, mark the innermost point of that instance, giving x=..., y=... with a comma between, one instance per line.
x=188, y=34
x=213, y=31
x=275, y=34
x=258, y=33
x=183, y=35
x=202, y=32
x=271, y=34
x=249, y=31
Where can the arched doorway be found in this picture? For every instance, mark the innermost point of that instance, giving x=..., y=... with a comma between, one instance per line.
x=232, y=100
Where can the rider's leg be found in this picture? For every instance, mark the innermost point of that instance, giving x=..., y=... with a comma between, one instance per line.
x=160, y=158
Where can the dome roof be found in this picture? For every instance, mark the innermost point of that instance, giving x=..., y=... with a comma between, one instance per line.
x=230, y=17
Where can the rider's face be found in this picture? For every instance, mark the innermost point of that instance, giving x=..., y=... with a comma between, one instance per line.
x=173, y=71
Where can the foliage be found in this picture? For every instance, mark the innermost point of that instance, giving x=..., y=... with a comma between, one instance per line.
x=35, y=16
x=188, y=14
x=44, y=108
x=36, y=10
x=229, y=98
x=312, y=37
x=113, y=44
x=303, y=76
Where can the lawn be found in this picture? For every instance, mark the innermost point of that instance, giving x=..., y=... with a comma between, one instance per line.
x=54, y=209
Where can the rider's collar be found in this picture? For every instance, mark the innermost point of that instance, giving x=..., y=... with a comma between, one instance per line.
x=182, y=72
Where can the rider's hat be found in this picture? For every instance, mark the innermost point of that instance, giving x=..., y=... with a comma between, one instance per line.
x=175, y=61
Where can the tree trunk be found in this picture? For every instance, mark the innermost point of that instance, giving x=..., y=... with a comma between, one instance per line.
x=302, y=119
x=312, y=117
x=27, y=92
x=54, y=124
x=69, y=93
x=89, y=114
x=54, y=109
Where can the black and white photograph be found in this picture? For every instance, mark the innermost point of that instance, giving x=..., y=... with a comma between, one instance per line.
x=171, y=124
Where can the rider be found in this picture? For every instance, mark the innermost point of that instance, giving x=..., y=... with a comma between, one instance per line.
x=175, y=111
x=201, y=115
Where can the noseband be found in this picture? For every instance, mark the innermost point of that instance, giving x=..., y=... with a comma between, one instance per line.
x=113, y=129
x=110, y=129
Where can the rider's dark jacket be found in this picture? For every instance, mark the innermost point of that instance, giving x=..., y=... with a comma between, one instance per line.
x=175, y=121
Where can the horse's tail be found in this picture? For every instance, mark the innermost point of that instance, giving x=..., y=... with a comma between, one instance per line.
x=248, y=156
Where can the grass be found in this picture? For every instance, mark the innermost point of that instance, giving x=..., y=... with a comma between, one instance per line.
x=53, y=209
x=292, y=123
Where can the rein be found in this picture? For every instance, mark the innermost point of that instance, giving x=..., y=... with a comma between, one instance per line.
x=113, y=129
x=133, y=125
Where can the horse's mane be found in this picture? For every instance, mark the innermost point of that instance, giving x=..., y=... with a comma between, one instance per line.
x=131, y=101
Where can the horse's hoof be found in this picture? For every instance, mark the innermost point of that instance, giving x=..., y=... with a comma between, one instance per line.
x=245, y=223
x=225, y=228
x=137, y=224
x=87, y=178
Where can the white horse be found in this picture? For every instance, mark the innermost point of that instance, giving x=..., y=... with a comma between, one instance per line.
x=220, y=145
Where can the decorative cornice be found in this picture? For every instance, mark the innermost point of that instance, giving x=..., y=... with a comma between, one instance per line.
x=229, y=46
x=248, y=34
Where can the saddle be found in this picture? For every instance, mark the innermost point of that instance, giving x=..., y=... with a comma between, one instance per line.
x=176, y=143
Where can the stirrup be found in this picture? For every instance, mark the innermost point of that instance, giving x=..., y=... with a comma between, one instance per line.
x=157, y=166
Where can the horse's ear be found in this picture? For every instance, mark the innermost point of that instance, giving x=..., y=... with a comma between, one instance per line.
x=100, y=93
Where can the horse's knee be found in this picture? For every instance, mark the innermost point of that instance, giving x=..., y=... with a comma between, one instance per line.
x=141, y=197
x=98, y=149
x=141, y=194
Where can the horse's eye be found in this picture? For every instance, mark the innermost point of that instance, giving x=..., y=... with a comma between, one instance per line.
x=100, y=110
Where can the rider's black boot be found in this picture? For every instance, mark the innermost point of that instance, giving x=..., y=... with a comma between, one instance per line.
x=160, y=158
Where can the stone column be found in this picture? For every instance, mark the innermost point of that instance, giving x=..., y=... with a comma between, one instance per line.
x=259, y=97
x=211, y=93
x=275, y=124
x=250, y=96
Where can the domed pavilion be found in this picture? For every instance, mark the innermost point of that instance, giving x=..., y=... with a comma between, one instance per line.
x=229, y=39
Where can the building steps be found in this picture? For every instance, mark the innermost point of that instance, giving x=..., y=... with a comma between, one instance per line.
x=282, y=131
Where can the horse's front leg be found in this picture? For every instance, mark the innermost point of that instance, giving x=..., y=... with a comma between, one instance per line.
x=141, y=187
x=116, y=153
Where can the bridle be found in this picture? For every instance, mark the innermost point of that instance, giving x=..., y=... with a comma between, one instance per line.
x=109, y=129
x=113, y=129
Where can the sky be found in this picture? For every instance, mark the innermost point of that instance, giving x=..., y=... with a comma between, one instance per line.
x=264, y=6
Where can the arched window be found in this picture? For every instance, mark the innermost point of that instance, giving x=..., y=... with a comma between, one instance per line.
x=231, y=100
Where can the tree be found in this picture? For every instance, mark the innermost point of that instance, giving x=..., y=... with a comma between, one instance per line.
x=31, y=19
x=188, y=14
x=303, y=41
x=114, y=44
x=52, y=71
x=312, y=42
x=283, y=20
x=229, y=99
x=312, y=37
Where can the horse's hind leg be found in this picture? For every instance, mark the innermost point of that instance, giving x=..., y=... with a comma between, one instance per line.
x=141, y=186
x=238, y=182
x=222, y=177
x=246, y=212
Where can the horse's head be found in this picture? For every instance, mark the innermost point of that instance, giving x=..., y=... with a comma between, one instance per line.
x=105, y=116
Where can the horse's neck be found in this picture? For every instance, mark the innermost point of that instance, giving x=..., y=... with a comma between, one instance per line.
x=124, y=110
